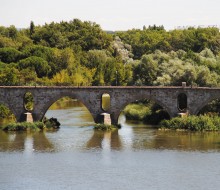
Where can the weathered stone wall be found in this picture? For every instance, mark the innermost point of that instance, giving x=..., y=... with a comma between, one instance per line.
x=91, y=97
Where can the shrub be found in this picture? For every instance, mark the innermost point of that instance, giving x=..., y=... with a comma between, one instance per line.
x=104, y=127
x=193, y=123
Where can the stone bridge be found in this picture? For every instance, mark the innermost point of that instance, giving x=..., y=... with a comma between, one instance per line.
x=195, y=98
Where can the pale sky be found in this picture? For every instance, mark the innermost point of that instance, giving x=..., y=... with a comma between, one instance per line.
x=112, y=14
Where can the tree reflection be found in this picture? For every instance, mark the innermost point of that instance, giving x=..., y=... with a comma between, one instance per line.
x=24, y=141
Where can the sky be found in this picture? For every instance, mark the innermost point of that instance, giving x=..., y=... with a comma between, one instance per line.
x=112, y=14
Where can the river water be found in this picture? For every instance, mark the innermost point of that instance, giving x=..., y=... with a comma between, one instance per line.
x=134, y=157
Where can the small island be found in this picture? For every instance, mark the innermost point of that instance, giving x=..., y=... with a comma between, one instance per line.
x=46, y=124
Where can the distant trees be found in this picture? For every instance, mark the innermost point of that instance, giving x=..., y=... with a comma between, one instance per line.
x=81, y=53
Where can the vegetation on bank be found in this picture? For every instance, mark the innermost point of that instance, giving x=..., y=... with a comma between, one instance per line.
x=46, y=124
x=104, y=127
x=192, y=123
x=24, y=126
x=146, y=111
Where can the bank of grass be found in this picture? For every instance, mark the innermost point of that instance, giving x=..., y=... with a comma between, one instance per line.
x=192, y=123
x=46, y=124
x=104, y=127
x=24, y=126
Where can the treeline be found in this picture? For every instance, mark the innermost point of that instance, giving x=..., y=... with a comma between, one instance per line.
x=81, y=53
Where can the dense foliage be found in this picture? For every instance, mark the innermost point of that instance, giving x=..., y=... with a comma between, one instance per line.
x=81, y=53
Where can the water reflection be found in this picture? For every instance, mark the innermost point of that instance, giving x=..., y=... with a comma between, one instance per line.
x=24, y=141
x=77, y=133
x=105, y=140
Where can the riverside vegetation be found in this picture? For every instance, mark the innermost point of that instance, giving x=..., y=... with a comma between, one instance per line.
x=80, y=53
x=46, y=124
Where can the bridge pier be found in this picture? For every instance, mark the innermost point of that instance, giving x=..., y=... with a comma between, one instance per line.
x=104, y=118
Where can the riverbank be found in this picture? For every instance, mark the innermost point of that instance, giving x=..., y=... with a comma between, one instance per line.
x=192, y=123
x=46, y=124
x=147, y=112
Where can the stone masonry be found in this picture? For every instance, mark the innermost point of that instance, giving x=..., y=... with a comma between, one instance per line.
x=44, y=97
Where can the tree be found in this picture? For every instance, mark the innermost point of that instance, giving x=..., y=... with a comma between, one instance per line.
x=146, y=71
x=9, y=55
x=32, y=28
x=37, y=64
x=9, y=76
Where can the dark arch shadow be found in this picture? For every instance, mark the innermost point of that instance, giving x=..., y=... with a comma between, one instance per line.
x=151, y=112
x=182, y=102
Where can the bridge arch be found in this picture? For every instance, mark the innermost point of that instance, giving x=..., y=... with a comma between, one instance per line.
x=205, y=104
x=153, y=99
x=43, y=109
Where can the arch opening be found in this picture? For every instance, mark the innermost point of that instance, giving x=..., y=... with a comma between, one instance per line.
x=212, y=108
x=182, y=102
x=70, y=112
x=6, y=115
x=106, y=102
x=28, y=101
x=146, y=111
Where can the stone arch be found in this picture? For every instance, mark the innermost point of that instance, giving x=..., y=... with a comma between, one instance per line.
x=53, y=99
x=204, y=103
x=115, y=115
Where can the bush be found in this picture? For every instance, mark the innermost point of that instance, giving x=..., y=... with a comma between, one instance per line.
x=24, y=126
x=104, y=127
x=51, y=123
x=136, y=111
x=48, y=124
x=147, y=112
x=193, y=123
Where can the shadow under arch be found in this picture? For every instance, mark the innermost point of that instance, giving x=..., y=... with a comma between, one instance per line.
x=67, y=102
x=157, y=108
x=211, y=106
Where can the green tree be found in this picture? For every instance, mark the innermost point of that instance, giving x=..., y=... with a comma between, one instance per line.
x=9, y=55
x=37, y=64
x=32, y=28
x=146, y=71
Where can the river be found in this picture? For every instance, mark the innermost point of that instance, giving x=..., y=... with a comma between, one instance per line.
x=134, y=157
